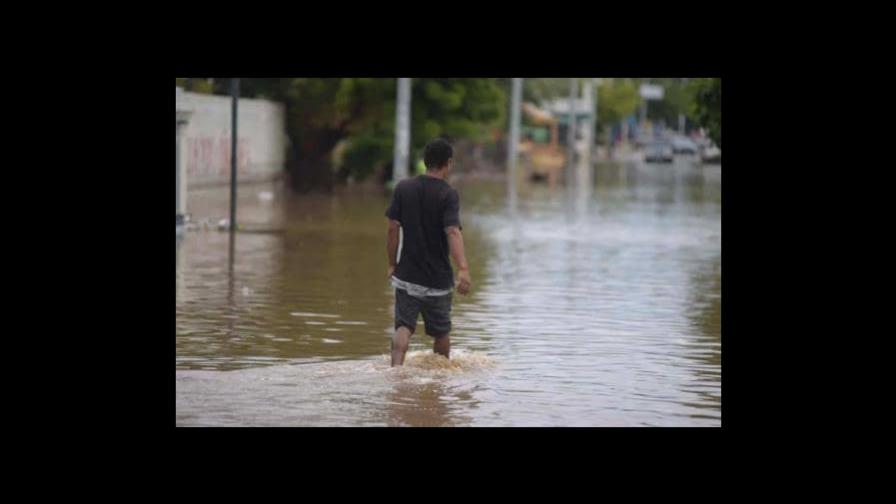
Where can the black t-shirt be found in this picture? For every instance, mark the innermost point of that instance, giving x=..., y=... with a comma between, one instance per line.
x=425, y=206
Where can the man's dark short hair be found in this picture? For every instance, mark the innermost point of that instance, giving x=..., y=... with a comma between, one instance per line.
x=437, y=153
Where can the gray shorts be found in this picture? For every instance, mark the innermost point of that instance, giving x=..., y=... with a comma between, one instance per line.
x=436, y=312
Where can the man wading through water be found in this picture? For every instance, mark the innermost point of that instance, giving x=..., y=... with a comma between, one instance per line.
x=427, y=210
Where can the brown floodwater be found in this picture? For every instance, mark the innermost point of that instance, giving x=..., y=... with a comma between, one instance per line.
x=598, y=305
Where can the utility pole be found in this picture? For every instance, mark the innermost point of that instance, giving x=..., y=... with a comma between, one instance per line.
x=182, y=118
x=234, y=99
x=514, y=140
x=588, y=128
x=571, y=131
x=402, y=130
x=681, y=120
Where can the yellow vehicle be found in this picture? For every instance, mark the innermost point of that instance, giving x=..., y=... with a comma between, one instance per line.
x=541, y=159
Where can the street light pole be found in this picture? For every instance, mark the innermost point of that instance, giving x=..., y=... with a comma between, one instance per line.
x=234, y=99
x=182, y=113
x=588, y=128
x=514, y=139
x=597, y=82
x=571, y=131
x=402, y=130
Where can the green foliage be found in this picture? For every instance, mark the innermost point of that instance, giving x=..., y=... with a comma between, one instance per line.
x=321, y=112
x=204, y=85
x=456, y=108
x=707, y=106
x=541, y=90
x=364, y=154
x=616, y=100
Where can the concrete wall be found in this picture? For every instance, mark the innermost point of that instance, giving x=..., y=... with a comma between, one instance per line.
x=261, y=143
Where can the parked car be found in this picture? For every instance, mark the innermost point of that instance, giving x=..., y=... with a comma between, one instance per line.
x=684, y=145
x=658, y=152
x=711, y=155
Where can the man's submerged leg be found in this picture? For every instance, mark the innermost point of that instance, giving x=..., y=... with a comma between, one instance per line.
x=400, y=345
x=442, y=345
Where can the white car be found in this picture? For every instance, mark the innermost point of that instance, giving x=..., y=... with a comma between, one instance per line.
x=684, y=145
x=658, y=152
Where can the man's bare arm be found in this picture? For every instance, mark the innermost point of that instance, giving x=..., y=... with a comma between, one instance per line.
x=456, y=246
x=392, y=245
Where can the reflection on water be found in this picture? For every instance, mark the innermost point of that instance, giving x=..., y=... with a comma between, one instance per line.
x=594, y=305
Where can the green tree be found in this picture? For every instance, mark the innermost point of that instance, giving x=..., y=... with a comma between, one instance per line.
x=321, y=112
x=456, y=108
x=542, y=90
x=616, y=100
x=707, y=106
x=677, y=99
x=452, y=108
x=204, y=85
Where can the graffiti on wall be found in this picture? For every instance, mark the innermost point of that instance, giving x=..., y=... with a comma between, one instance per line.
x=210, y=157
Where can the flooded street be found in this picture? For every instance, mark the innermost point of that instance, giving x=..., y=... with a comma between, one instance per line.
x=598, y=305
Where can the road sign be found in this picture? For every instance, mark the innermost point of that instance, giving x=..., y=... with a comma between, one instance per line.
x=651, y=92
